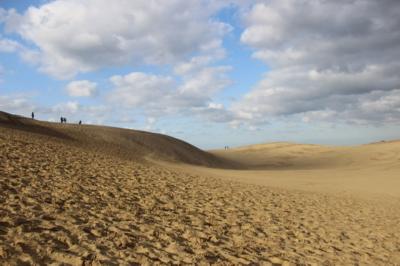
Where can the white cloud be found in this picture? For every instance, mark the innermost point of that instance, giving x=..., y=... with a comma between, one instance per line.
x=9, y=46
x=195, y=63
x=198, y=88
x=158, y=95
x=325, y=65
x=70, y=107
x=139, y=89
x=214, y=112
x=78, y=36
x=69, y=37
x=217, y=106
x=81, y=88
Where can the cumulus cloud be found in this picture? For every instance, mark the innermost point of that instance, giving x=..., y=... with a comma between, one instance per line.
x=139, y=89
x=159, y=95
x=340, y=60
x=198, y=88
x=195, y=63
x=78, y=36
x=214, y=112
x=81, y=88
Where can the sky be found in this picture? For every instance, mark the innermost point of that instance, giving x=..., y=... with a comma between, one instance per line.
x=211, y=72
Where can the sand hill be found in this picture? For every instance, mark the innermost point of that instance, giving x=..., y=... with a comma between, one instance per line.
x=370, y=170
x=125, y=143
x=94, y=195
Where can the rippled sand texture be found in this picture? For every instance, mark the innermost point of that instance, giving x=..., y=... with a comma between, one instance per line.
x=62, y=204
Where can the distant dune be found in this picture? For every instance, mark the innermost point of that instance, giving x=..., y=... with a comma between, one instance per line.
x=285, y=155
x=94, y=195
x=369, y=170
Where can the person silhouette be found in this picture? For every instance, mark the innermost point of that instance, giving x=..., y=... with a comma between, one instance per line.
x=33, y=115
x=80, y=122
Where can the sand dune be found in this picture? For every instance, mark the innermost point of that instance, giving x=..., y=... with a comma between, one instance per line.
x=370, y=170
x=80, y=196
x=284, y=155
x=124, y=143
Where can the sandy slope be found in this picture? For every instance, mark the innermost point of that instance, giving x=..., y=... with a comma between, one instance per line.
x=126, y=144
x=68, y=204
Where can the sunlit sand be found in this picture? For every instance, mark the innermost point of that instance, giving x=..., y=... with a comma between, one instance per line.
x=92, y=195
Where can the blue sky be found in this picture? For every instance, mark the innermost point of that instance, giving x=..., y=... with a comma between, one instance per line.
x=213, y=73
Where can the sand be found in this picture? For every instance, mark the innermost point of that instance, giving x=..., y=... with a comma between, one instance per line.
x=64, y=203
x=371, y=171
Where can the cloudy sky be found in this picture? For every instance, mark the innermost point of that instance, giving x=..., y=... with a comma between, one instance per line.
x=211, y=72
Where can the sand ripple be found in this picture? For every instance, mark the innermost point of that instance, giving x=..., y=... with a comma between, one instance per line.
x=64, y=205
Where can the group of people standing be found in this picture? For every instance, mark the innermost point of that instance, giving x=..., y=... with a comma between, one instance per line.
x=62, y=119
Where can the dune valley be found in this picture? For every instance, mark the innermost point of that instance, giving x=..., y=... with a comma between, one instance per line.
x=92, y=195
